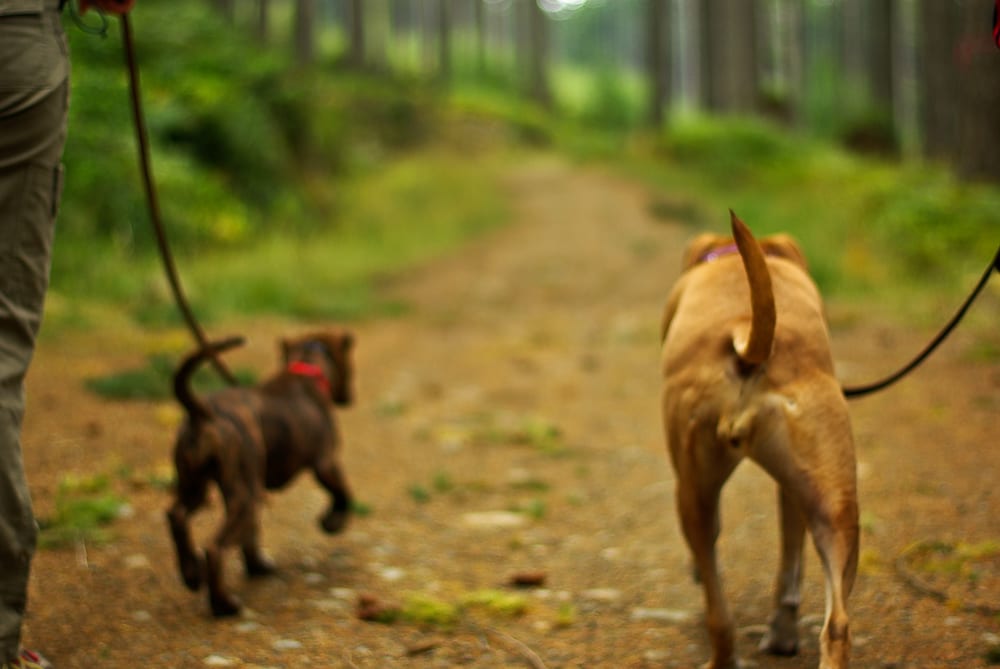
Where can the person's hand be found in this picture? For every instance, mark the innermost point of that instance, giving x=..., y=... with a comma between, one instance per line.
x=107, y=6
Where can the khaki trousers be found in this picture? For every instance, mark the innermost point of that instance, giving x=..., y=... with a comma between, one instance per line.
x=34, y=96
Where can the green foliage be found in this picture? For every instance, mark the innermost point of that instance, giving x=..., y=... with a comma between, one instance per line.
x=862, y=222
x=423, y=609
x=496, y=602
x=246, y=150
x=84, y=510
x=154, y=380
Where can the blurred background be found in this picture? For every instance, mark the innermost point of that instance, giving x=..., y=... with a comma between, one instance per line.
x=349, y=138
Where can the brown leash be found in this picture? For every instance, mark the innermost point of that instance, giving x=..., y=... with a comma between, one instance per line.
x=142, y=140
x=860, y=391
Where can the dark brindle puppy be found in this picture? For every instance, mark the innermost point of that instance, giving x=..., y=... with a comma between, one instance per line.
x=248, y=440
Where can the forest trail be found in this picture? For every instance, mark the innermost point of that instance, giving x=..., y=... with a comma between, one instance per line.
x=509, y=422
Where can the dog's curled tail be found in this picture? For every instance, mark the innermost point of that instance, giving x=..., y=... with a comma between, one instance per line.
x=754, y=346
x=182, y=377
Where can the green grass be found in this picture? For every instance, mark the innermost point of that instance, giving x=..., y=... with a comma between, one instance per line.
x=414, y=209
x=909, y=235
x=85, y=509
x=154, y=381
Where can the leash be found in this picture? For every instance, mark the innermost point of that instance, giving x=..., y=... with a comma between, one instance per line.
x=860, y=391
x=142, y=141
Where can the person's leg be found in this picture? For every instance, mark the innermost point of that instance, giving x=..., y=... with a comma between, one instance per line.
x=31, y=143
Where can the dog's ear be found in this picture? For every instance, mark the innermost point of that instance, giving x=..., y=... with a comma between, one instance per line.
x=785, y=247
x=698, y=247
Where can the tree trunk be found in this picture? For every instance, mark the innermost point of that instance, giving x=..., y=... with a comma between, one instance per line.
x=227, y=8
x=729, y=55
x=938, y=85
x=658, y=60
x=305, y=18
x=978, y=73
x=444, y=40
x=480, y=20
x=881, y=55
x=357, y=33
x=538, y=36
x=263, y=21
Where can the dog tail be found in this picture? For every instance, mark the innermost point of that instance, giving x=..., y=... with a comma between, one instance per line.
x=754, y=346
x=196, y=408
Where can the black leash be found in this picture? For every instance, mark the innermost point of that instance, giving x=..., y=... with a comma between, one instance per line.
x=142, y=140
x=859, y=391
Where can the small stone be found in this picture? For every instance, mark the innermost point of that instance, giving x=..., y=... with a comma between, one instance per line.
x=137, y=561
x=494, y=519
x=391, y=574
x=602, y=594
x=219, y=661
x=286, y=644
x=675, y=616
x=347, y=594
x=528, y=579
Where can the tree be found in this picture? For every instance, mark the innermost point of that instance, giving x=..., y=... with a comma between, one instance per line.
x=227, y=8
x=263, y=21
x=538, y=54
x=658, y=59
x=305, y=17
x=938, y=91
x=444, y=39
x=977, y=63
x=882, y=21
x=729, y=55
x=357, y=33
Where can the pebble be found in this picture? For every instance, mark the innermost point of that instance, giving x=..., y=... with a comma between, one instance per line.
x=346, y=594
x=602, y=594
x=137, y=561
x=391, y=574
x=219, y=661
x=662, y=615
x=286, y=644
x=493, y=519
x=611, y=554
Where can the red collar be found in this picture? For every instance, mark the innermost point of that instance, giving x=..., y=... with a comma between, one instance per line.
x=309, y=370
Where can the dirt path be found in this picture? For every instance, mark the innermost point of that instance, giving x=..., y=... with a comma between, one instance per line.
x=525, y=379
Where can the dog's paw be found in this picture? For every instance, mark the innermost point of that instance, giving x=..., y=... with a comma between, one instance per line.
x=191, y=572
x=782, y=636
x=224, y=605
x=334, y=521
x=258, y=564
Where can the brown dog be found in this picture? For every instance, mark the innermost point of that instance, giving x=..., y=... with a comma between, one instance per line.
x=749, y=374
x=248, y=440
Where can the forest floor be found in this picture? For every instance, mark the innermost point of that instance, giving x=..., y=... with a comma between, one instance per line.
x=509, y=423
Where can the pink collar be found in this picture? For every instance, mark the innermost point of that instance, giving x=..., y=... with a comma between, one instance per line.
x=309, y=370
x=721, y=252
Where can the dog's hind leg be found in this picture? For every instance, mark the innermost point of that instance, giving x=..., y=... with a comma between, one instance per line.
x=236, y=527
x=330, y=475
x=835, y=533
x=190, y=496
x=702, y=469
x=782, y=637
x=254, y=559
